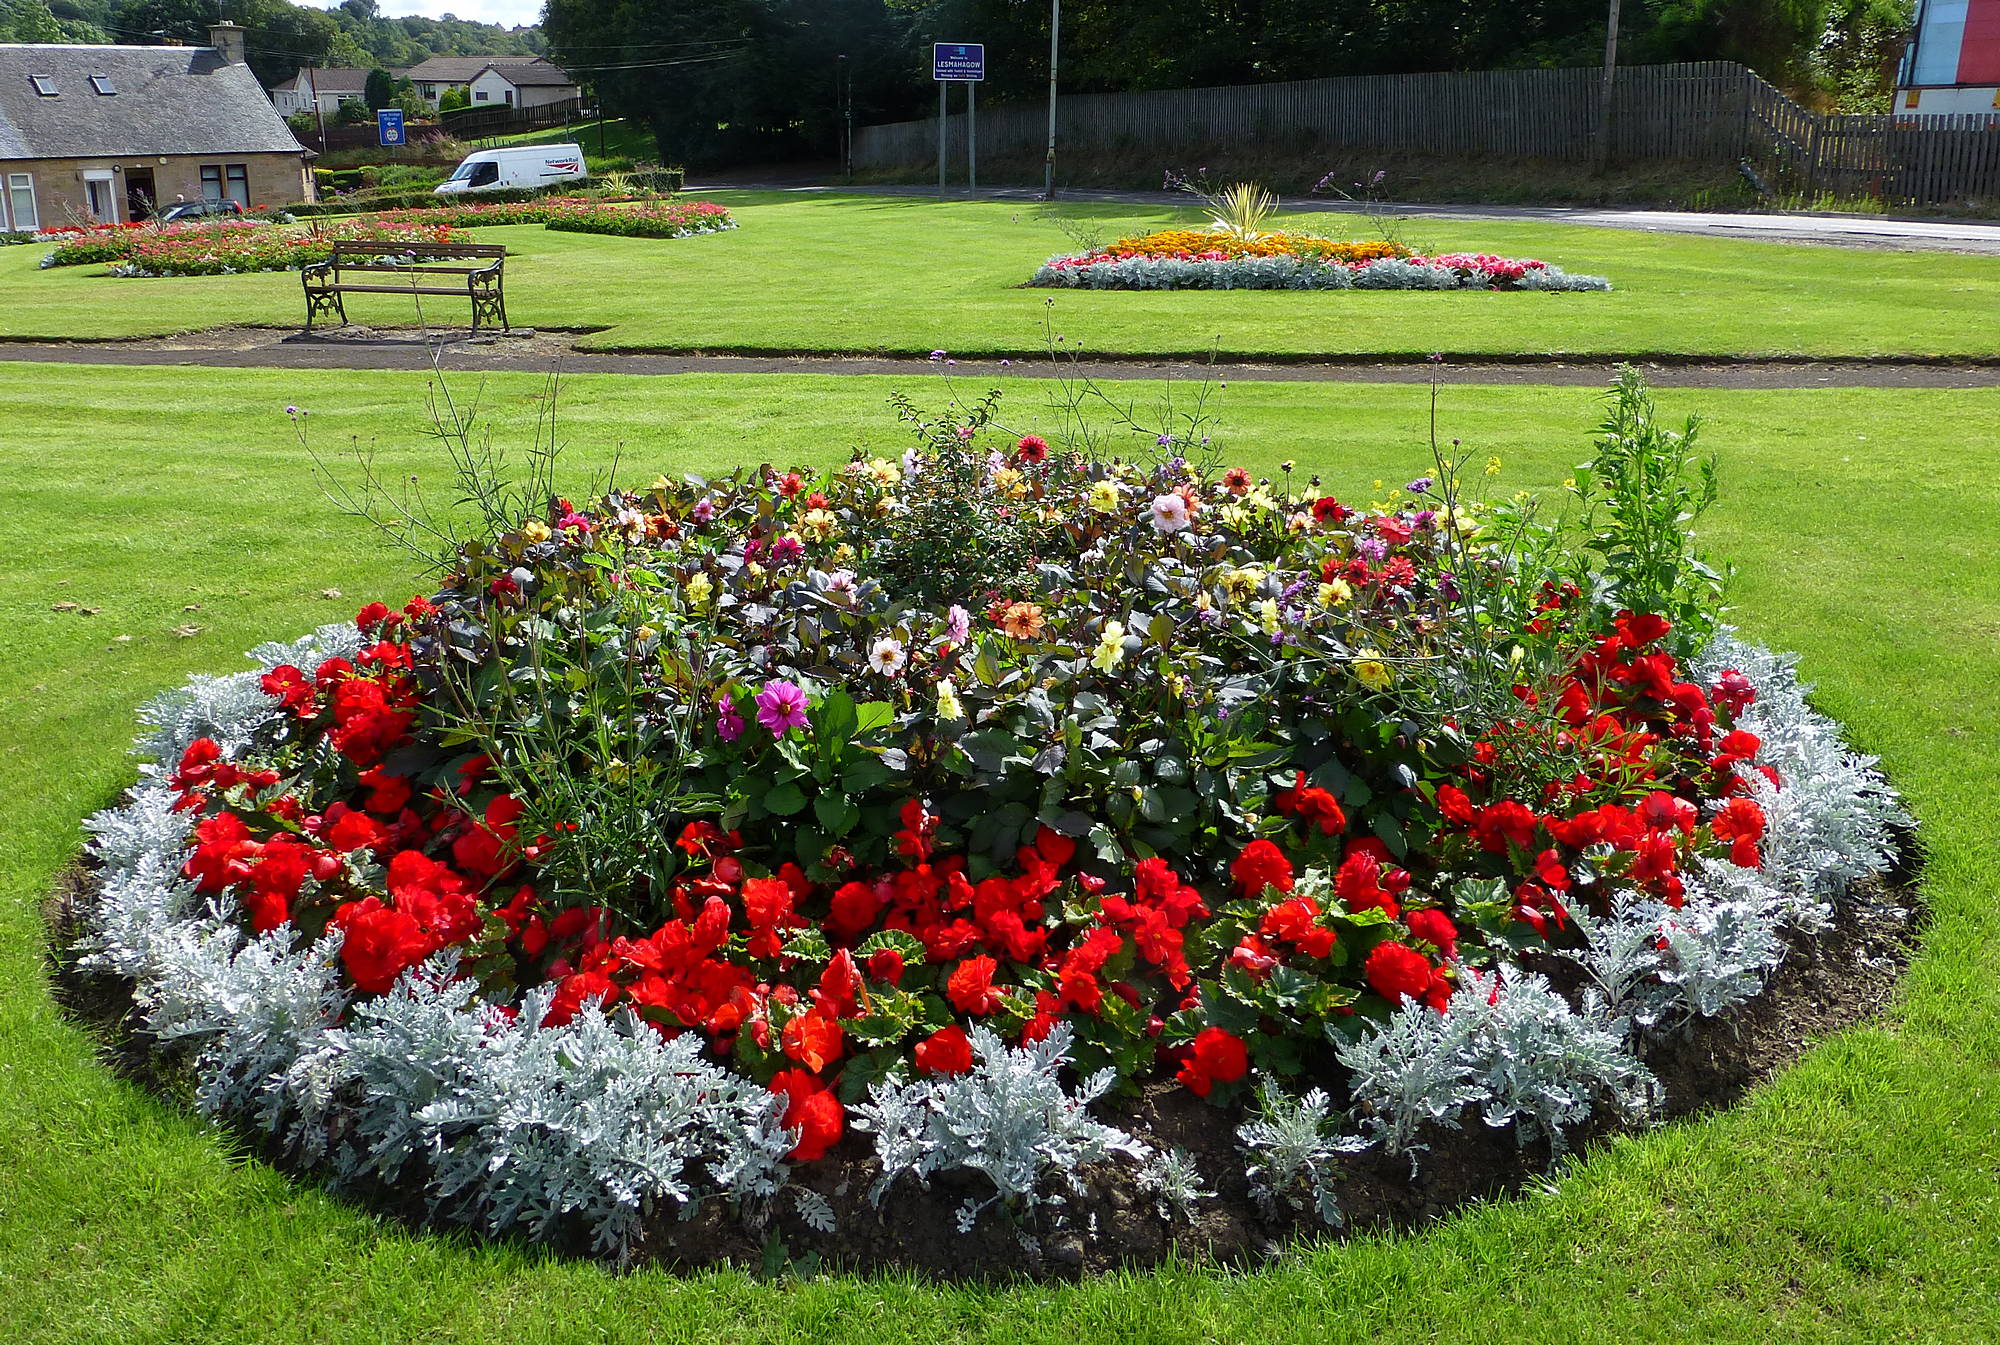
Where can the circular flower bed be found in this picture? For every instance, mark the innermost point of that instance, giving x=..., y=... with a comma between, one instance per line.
x=1002, y=840
x=1221, y=260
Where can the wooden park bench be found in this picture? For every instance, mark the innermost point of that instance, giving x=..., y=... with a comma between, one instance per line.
x=419, y=265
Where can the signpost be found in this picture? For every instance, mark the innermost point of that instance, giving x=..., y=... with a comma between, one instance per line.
x=959, y=63
x=389, y=127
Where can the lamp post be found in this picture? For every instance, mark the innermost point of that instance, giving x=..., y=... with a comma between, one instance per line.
x=1049, y=164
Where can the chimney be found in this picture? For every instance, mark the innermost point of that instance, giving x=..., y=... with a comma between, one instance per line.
x=227, y=39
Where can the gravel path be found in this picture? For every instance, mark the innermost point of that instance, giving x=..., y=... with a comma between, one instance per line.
x=547, y=352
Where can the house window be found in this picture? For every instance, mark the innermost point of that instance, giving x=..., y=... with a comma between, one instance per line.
x=238, y=179
x=211, y=182
x=100, y=198
x=510, y=97
x=102, y=83
x=45, y=85
x=479, y=96
x=21, y=194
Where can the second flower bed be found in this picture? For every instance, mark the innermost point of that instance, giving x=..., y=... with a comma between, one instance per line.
x=1219, y=259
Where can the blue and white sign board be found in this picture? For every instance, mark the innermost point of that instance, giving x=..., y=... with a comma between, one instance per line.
x=389, y=127
x=958, y=61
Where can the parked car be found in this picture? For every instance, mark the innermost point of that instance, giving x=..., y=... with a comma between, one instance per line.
x=204, y=209
x=520, y=166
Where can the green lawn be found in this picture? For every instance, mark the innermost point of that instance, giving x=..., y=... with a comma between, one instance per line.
x=1853, y=1199
x=903, y=275
x=623, y=141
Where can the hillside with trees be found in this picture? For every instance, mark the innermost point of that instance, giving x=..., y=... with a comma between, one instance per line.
x=281, y=37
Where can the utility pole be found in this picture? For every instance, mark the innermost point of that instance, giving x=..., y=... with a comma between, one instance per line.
x=1055, y=35
x=843, y=107
x=1600, y=155
x=319, y=113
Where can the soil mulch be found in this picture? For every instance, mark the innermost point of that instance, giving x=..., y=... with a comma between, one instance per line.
x=1827, y=982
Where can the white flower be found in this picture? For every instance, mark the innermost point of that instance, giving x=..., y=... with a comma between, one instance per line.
x=1170, y=513
x=887, y=656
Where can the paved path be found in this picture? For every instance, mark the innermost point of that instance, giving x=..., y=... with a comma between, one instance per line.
x=1840, y=230
x=549, y=352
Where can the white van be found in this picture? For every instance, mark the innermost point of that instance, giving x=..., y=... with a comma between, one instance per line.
x=520, y=166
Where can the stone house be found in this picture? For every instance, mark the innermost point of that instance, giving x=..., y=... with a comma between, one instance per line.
x=104, y=134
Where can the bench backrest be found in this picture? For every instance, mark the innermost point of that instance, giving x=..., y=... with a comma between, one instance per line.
x=352, y=250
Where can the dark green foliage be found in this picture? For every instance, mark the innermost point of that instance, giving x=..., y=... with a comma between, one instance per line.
x=380, y=90
x=944, y=551
x=1642, y=493
x=757, y=78
x=281, y=37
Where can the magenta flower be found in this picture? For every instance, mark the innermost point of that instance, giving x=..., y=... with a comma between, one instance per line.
x=781, y=707
x=728, y=720
x=958, y=624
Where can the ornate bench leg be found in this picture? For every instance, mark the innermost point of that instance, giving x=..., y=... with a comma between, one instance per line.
x=489, y=304
x=324, y=302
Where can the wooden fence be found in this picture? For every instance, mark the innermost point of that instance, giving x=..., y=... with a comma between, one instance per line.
x=473, y=123
x=1704, y=111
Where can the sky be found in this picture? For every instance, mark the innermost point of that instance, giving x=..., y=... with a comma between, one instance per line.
x=513, y=13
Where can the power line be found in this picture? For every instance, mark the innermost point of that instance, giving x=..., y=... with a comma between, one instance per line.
x=655, y=65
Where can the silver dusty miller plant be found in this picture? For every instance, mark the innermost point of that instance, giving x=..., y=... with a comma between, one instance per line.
x=1515, y=1052
x=524, y=1127
x=1008, y=1117
x=1294, y=1144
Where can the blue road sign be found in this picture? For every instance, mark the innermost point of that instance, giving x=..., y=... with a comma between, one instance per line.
x=389, y=127
x=963, y=61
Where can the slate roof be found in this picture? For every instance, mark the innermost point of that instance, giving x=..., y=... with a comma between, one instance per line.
x=538, y=75
x=459, y=69
x=169, y=100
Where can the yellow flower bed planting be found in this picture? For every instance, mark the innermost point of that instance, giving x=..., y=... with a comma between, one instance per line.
x=1199, y=242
